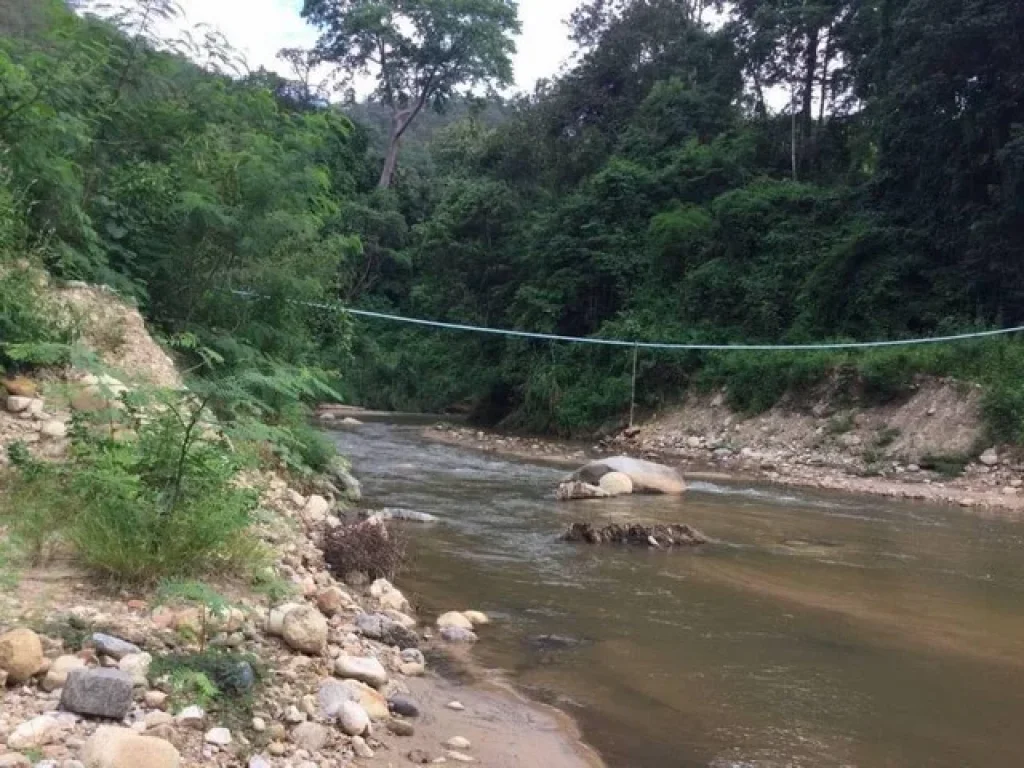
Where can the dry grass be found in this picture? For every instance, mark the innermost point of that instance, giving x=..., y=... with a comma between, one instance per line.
x=367, y=547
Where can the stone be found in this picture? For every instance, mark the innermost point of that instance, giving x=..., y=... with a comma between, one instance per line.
x=259, y=724
x=412, y=669
x=333, y=600
x=331, y=696
x=401, y=728
x=14, y=760
x=377, y=626
x=294, y=715
x=367, y=669
x=454, y=619
x=276, y=748
x=395, y=601
x=114, y=647
x=616, y=484
x=155, y=699
x=21, y=654
x=219, y=737
x=381, y=587
x=477, y=617
x=54, y=429
x=371, y=700
x=989, y=458
x=258, y=761
x=348, y=484
x=305, y=629
x=98, y=692
x=360, y=747
x=692, y=442
x=310, y=736
x=646, y=476
x=404, y=706
x=458, y=635
x=20, y=386
x=18, y=403
x=459, y=757
x=353, y=719
x=113, y=747
x=419, y=757
x=158, y=718
x=575, y=490
x=457, y=742
x=316, y=509
x=136, y=665
x=275, y=619
x=191, y=717
x=57, y=674
x=406, y=515
x=456, y=706
x=34, y=733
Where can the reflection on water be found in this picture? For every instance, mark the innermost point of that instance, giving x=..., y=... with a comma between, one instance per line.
x=816, y=630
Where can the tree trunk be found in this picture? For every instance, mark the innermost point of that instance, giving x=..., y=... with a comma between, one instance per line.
x=810, y=71
x=792, y=137
x=391, y=159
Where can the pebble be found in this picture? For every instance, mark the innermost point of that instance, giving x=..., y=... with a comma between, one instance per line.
x=353, y=718
x=220, y=737
x=458, y=742
x=276, y=748
x=404, y=706
x=115, y=647
x=293, y=715
x=259, y=724
x=459, y=757
x=401, y=728
x=191, y=717
x=361, y=748
x=455, y=705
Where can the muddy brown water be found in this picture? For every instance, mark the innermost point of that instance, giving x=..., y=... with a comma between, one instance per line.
x=816, y=630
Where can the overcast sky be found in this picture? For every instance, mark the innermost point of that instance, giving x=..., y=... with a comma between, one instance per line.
x=260, y=28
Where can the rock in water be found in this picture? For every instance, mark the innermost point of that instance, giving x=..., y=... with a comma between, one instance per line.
x=98, y=692
x=616, y=484
x=21, y=654
x=573, y=490
x=458, y=635
x=454, y=619
x=346, y=481
x=377, y=626
x=112, y=747
x=112, y=646
x=353, y=719
x=676, y=535
x=364, y=668
x=305, y=629
x=646, y=476
x=404, y=706
x=477, y=617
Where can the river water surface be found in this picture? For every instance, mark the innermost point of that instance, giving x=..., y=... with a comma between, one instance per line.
x=816, y=630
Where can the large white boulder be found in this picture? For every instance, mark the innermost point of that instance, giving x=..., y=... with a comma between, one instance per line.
x=646, y=476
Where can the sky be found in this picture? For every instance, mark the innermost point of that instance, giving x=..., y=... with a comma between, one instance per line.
x=260, y=28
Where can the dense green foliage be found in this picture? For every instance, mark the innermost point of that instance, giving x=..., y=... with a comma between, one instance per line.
x=777, y=171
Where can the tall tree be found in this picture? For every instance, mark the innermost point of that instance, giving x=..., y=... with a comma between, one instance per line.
x=419, y=51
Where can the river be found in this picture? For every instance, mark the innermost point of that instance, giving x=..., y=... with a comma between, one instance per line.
x=815, y=630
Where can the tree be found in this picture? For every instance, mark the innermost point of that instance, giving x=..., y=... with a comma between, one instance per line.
x=420, y=51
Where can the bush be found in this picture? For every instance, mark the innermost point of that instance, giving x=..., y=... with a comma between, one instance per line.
x=160, y=504
x=367, y=547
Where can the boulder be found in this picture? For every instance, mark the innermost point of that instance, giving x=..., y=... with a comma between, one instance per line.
x=21, y=654
x=616, y=484
x=17, y=403
x=477, y=617
x=372, y=701
x=115, y=647
x=353, y=719
x=275, y=619
x=458, y=635
x=98, y=692
x=454, y=619
x=989, y=458
x=136, y=665
x=34, y=733
x=364, y=668
x=377, y=626
x=310, y=736
x=404, y=706
x=57, y=674
x=316, y=509
x=112, y=747
x=573, y=490
x=305, y=629
x=646, y=476
x=331, y=601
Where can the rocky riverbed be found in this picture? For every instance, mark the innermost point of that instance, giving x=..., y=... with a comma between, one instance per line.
x=338, y=673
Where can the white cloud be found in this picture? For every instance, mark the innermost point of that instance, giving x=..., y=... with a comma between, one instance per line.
x=258, y=29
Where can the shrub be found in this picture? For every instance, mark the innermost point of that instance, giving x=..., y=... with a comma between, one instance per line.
x=367, y=547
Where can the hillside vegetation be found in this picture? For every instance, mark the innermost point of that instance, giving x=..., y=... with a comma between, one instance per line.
x=655, y=190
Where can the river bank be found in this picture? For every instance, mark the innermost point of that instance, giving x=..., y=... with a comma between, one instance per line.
x=985, y=488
